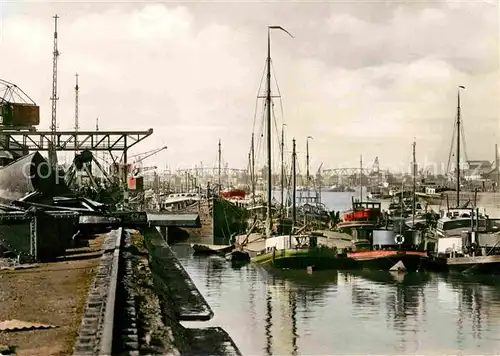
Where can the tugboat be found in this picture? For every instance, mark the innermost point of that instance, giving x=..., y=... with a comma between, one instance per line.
x=379, y=246
x=397, y=249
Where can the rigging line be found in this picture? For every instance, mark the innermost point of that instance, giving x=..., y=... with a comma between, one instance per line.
x=279, y=92
x=278, y=133
x=260, y=146
x=462, y=131
x=258, y=94
x=451, y=149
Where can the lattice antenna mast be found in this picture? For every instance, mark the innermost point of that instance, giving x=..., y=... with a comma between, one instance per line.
x=77, y=125
x=54, y=98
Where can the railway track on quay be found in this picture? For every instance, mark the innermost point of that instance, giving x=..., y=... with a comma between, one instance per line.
x=99, y=332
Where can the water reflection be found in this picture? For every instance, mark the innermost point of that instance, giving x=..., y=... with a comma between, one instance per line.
x=215, y=268
x=281, y=316
x=268, y=325
x=362, y=312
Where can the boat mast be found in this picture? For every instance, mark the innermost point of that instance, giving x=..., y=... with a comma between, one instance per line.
x=360, y=178
x=294, y=184
x=282, y=166
x=269, y=147
x=318, y=200
x=307, y=168
x=249, y=169
x=458, y=145
x=219, y=167
x=252, y=172
x=308, y=178
x=414, y=183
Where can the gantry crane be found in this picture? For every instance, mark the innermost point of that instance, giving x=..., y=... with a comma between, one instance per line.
x=137, y=159
x=18, y=112
x=17, y=109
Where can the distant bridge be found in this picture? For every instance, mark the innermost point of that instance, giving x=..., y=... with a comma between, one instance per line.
x=205, y=172
x=345, y=172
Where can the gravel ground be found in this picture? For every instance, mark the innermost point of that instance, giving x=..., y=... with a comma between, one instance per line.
x=52, y=293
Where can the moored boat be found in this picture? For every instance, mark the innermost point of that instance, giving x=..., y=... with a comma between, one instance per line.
x=390, y=260
x=203, y=249
x=231, y=193
x=301, y=252
x=381, y=244
x=475, y=251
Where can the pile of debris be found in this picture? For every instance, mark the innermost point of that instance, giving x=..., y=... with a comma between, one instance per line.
x=40, y=217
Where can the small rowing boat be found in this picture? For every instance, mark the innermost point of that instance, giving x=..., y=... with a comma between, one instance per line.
x=203, y=249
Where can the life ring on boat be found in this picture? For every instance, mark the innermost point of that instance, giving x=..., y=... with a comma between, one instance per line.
x=400, y=239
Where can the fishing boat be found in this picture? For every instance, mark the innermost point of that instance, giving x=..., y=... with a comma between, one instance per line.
x=287, y=246
x=229, y=217
x=479, y=250
x=303, y=251
x=300, y=250
x=467, y=240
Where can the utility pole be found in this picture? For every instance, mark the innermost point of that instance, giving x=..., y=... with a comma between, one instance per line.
x=54, y=98
x=77, y=126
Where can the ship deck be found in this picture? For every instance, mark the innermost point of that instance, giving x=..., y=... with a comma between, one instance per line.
x=257, y=243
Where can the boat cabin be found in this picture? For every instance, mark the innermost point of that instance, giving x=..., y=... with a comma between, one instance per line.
x=364, y=211
x=455, y=231
x=286, y=242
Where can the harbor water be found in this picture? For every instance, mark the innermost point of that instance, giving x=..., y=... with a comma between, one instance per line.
x=346, y=313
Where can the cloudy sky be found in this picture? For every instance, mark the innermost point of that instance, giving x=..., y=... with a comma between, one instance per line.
x=360, y=77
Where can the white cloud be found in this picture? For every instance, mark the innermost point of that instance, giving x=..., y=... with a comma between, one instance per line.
x=368, y=87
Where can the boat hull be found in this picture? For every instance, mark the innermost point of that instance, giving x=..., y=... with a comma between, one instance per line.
x=237, y=256
x=474, y=265
x=389, y=277
x=228, y=220
x=435, y=264
x=318, y=258
x=201, y=249
x=384, y=260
